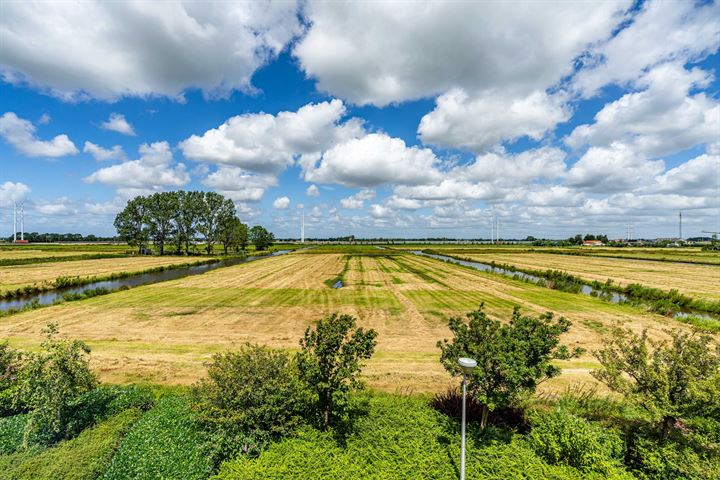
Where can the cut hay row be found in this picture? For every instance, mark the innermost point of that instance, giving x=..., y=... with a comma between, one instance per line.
x=17, y=276
x=700, y=281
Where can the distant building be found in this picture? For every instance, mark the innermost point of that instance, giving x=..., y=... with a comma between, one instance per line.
x=593, y=243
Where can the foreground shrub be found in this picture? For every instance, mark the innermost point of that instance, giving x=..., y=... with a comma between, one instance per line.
x=563, y=438
x=512, y=358
x=667, y=380
x=450, y=403
x=164, y=444
x=49, y=382
x=104, y=402
x=11, y=433
x=85, y=457
x=672, y=459
x=250, y=398
x=10, y=361
x=330, y=362
x=401, y=438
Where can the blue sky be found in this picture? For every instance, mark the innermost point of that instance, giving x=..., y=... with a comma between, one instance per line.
x=393, y=119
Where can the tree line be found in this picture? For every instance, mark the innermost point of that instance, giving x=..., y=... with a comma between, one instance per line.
x=176, y=220
x=36, y=237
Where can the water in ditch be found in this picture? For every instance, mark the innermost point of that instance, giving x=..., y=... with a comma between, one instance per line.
x=52, y=296
x=613, y=297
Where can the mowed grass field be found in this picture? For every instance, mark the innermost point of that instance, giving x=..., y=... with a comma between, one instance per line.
x=684, y=254
x=700, y=281
x=165, y=332
x=13, y=277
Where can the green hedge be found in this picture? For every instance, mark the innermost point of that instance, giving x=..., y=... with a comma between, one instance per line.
x=164, y=444
x=11, y=433
x=402, y=438
x=85, y=457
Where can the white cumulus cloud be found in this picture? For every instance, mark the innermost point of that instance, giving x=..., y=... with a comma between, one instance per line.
x=312, y=191
x=384, y=52
x=481, y=122
x=153, y=171
x=102, y=154
x=264, y=143
x=239, y=185
x=12, y=192
x=117, y=123
x=374, y=160
x=106, y=50
x=281, y=203
x=20, y=133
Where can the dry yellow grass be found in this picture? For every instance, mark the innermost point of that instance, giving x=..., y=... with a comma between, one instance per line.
x=164, y=332
x=16, y=276
x=701, y=281
x=21, y=253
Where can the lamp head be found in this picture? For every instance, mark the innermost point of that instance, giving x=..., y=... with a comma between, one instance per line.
x=467, y=364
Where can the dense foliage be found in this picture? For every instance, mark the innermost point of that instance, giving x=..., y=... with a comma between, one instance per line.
x=561, y=437
x=176, y=218
x=403, y=438
x=251, y=397
x=10, y=361
x=85, y=457
x=164, y=444
x=669, y=381
x=330, y=361
x=512, y=358
x=49, y=382
x=261, y=238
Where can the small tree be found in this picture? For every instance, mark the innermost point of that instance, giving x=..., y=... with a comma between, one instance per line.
x=330, y=362
x=49, y=382
x=131, y=223
x=161, y=209
x=512, y=359
x=667, y=380
x=261, y=238
x=10, y=363
x=233, y=234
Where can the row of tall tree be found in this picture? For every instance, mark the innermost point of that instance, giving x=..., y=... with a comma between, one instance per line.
x=178, y=219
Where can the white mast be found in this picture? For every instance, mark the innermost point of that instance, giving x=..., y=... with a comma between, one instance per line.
x=22, y=221
x=14, y=222
x=302, y=226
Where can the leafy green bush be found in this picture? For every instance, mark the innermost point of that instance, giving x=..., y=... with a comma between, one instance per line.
x=11, y=433
x=512, y=358
x=563, y=438
x=669, y=380
x=164, y=444
x=401, y=438
x=85, y=457
x=652, y=459
x=103, y=402
x=330, y=361
x=250, y=398
x=10, y=362
x=48, y=384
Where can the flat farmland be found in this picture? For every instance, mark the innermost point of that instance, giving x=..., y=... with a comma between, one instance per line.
x=13, y=277
x=680, y=255
x=165, y=332
x=699, y=281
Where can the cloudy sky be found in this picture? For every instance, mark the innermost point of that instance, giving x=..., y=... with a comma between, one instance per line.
x=380, y=118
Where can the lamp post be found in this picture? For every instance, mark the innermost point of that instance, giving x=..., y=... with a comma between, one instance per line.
x=467, y=364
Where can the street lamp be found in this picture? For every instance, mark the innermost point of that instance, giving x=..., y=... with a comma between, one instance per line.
x=467, y=364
